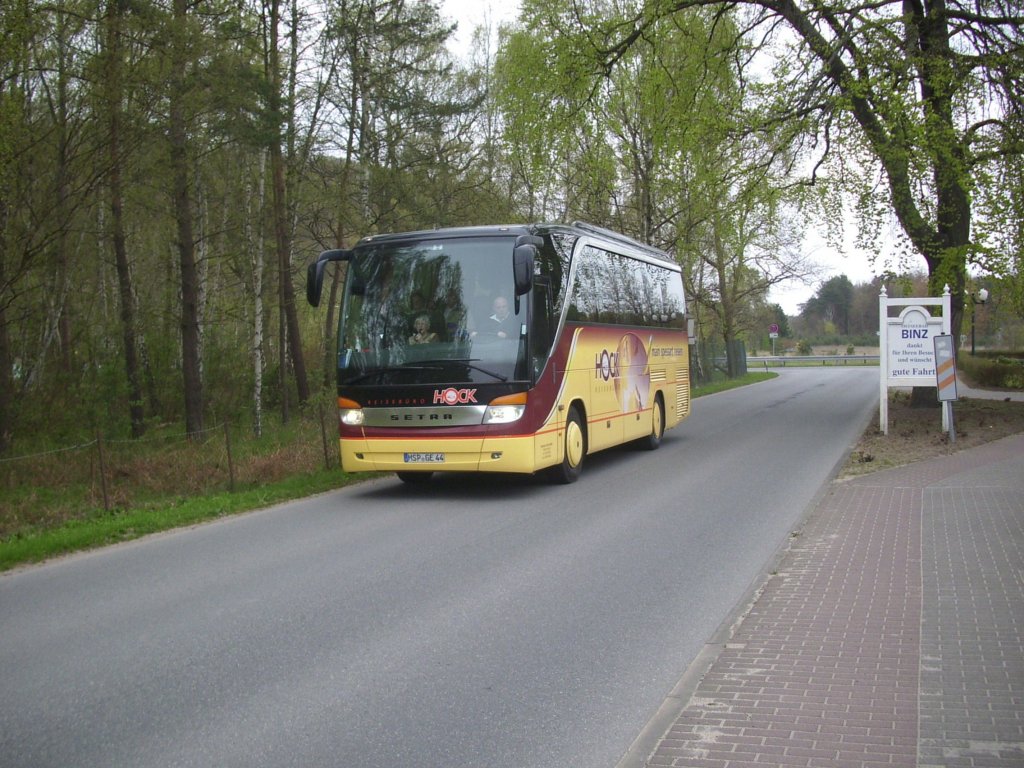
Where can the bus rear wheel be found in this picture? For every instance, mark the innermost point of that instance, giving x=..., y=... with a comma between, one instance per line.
x=575, y=449
x=653, y=440
x=414, y=477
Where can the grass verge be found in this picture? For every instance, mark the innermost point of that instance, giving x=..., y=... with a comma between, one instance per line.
x=725, y=384
x=102, y=528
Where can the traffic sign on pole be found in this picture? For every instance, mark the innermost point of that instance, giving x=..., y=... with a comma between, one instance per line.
x=945, y=367
x=945, y=377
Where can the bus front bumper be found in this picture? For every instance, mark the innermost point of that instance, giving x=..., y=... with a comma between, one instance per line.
x=500, y=454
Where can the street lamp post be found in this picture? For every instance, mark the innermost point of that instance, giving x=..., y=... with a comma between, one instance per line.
x=981, y=298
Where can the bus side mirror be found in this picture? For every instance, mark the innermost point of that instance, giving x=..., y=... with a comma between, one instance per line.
x=522, y=262
x=315, y=273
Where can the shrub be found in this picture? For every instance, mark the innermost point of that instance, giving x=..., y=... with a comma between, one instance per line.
x=1001, y=372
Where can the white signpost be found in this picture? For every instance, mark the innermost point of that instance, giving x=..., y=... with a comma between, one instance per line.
x=907, y=354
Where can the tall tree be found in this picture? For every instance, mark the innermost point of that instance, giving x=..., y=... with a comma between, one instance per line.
x=928, y=93
x=15, y=22
x=400, y=144
x=178, y=136
x=112, y=81
x=281, y=109
x=833, y=303
x=41, y=122
x=653, y=137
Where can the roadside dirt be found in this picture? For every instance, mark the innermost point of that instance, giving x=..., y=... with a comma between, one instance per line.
x=916, y=433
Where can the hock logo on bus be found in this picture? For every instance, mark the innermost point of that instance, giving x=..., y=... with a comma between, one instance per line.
x=453, y=396
x=606, y=365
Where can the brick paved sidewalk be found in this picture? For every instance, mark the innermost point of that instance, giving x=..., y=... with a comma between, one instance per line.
x=892, y=633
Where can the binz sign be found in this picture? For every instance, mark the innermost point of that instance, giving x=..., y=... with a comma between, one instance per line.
x=907, y=341
x=911, y=349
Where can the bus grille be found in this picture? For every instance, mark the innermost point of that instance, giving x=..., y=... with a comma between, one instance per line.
x=683, y=392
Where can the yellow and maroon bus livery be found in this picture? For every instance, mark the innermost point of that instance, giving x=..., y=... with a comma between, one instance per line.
x=505, y=348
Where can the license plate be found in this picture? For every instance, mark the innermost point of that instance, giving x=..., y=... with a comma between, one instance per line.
x=424, y=458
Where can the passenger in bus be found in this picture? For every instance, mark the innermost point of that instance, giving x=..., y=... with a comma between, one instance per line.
x=416, y=307
x=456, y=319
x=421, y=331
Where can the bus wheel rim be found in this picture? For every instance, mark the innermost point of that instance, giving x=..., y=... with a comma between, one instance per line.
x=574, y=444
x=657, y=420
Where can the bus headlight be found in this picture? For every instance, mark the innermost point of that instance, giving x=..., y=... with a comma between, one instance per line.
x=350, y=412
x=352, y=417
x=505, y=410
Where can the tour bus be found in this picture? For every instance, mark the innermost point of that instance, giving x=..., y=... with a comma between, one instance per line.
x=504, y=348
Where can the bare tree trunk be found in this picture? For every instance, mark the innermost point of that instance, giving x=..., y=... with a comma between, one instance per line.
x=115, y=14
x=6, y=373
x=254, y=244
x=62, y=319
x=190, y=363
x=290, y=318
x=726, y=303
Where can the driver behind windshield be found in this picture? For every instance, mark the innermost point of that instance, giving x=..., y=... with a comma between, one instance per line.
x=502, y=323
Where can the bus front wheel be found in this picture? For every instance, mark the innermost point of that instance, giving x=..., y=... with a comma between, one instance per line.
x=575, y=449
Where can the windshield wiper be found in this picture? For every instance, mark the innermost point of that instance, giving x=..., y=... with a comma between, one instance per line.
x=468, y=362
x=393, y=369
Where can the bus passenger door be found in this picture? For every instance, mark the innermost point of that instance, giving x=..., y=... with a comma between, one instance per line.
x=604, y=414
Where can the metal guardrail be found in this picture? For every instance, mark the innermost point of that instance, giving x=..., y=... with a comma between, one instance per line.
x=782, y=360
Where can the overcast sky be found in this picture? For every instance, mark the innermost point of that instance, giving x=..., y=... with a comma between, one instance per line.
x=473, y=13
x=855, y=265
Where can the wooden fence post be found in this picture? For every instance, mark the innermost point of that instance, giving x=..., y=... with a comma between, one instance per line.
x=323, y=435
x=231, y=463
x=103, y=472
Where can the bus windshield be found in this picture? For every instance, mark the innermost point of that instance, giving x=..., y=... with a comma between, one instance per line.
x=432, y=311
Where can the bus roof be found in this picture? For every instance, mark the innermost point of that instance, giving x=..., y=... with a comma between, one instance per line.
x=578, y=228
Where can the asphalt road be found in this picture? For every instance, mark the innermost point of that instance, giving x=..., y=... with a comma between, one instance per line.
x=475, y=621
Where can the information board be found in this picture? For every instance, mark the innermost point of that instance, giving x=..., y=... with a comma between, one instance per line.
x=910, y=354
x=907, y=345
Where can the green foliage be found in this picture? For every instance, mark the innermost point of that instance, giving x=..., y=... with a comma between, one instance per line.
x=667, y=138
x=993, y=370
x=608, y=144
x=406, y=157
x=916, y=117
x=832, y=304
x=838, y=341
x=803, y=347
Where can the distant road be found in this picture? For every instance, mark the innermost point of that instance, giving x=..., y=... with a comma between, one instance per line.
x=474, y=621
